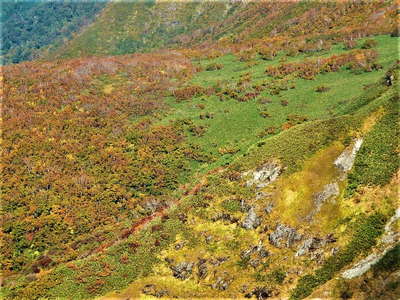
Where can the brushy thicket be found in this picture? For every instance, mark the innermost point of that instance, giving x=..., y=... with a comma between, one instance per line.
x=73, y=161
x=308, y=69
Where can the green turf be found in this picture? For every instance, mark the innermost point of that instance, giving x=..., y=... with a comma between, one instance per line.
x=237, y=124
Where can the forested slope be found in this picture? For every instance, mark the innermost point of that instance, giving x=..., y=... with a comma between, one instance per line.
x=30, y=28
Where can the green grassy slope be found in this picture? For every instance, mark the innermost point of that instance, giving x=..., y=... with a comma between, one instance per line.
x=357, y=103
x=239, y=124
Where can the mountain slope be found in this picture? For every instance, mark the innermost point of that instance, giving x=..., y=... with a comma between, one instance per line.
x=31, y=27
x=129, y=27
x=257, y=168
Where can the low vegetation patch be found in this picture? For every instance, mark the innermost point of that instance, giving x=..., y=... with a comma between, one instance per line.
x=377, y=160
x=368, y=229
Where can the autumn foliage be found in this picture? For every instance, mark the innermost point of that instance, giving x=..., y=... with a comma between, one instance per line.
x=71, y=159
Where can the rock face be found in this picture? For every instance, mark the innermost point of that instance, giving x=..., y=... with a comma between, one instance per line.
x=284, y=236
x=251, y=221
x=329, y=190
x=345, y=160
x=182, y=270
x=264, y=175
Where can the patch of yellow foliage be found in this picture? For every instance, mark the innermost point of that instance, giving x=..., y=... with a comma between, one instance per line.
x=108, y=89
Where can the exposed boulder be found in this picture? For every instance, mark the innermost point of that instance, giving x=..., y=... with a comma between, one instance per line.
x=218, y=261
x=202, y=269
x=244, y=207
x=314, y=243
x=225, y=217
x=182, y=270
x=179, y=245
x=334, y=250
x=260, y=293
x=308, y=245
x=254, y=256
x=345, y=160
x=222, y=283
x=284, y=236
x=264, y=175
x=254, y=262
x=208, y=238
x=329, y=190
x=152, y=290
x=252, y=221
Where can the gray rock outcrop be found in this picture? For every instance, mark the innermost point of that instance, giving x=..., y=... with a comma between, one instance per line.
x=252, y=221
x=258, y=249
x=268, y=209
x=284, y=236
x=182, y=270
x=312, y=244
x=222, y=283
x=308, y=245
x=264, y=175
x=345, y=160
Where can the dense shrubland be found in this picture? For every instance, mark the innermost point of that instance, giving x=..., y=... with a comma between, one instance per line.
x=72, y=159
x=308, y=69
x=118, y=170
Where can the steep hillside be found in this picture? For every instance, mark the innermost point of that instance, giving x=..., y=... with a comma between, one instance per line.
x=255, y=166
x=30, y=28
x=128, y=27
